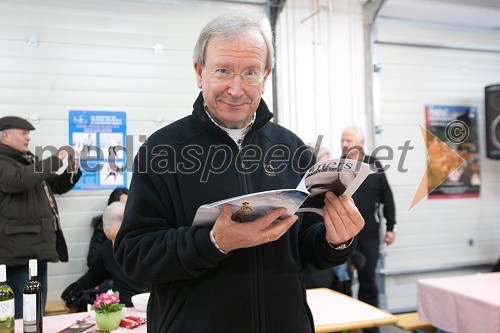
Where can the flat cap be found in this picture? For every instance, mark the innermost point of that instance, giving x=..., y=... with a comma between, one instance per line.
x=15, y=122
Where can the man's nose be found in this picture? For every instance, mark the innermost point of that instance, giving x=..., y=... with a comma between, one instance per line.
x=236, y=85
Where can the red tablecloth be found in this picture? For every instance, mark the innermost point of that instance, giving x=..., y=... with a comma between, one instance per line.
x=461, y=304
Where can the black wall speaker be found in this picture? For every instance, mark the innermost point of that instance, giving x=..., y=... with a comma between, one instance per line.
x=492, y=108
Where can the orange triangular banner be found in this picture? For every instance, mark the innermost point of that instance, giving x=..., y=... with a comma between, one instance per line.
x=442, y=162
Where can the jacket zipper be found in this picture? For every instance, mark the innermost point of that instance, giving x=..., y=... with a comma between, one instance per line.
x=258, y=293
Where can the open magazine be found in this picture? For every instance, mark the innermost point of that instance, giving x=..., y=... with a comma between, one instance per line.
x=340, y=176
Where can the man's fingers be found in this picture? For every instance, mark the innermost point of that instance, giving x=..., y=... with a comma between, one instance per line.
x=231, y=235
x=342, y=218
x=226, y=212
x=352, y=211
x=335, y=211
x=65, y=151
x=274, y=231
x=270, y=217
x=345, y=208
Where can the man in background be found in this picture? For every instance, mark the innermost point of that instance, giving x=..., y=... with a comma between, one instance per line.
x=29, y=226
x=374, y=200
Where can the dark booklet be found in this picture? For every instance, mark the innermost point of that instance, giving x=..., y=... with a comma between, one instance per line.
x=340, y=176
x=77, y=327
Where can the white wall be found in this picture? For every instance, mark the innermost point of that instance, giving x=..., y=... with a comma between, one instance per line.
x=320, y=68
x=98, y=55
x=433, y=63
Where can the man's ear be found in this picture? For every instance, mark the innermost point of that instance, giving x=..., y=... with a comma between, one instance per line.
x=198, y=69
x=266, y=74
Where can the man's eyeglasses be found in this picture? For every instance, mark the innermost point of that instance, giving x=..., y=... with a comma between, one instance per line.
x=249, y=77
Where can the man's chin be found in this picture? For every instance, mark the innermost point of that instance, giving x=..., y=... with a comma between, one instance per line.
x=234, y=120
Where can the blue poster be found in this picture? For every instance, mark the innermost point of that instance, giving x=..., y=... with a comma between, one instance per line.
x=98, y=138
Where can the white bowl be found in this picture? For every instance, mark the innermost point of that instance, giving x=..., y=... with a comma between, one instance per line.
x=140, y=301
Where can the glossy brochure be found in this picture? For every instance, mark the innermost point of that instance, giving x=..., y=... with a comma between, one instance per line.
x=341, y=176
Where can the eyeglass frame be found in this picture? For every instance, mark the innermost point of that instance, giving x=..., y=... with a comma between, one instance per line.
x=212, y=75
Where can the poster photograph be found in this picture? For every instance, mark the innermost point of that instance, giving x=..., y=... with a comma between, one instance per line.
x=455, y=126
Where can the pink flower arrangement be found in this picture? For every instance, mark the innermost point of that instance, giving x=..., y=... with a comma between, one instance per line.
x=107, y=302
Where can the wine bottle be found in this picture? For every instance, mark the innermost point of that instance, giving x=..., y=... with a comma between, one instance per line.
x=32, y=301
x=7, y=310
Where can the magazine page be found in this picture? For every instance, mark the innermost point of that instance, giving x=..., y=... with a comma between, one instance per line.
x=252, y=206
x=340, y=176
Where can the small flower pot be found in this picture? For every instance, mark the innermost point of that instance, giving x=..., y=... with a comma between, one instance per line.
x=108, y=321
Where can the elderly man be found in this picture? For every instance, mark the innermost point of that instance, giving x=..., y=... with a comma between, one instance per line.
x=229, y=277
x=373, y=197
x=28, y=209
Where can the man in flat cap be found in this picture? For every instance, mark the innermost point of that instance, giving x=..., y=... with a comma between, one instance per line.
x=29, y=219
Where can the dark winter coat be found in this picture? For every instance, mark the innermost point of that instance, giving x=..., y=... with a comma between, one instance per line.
x=26, y=218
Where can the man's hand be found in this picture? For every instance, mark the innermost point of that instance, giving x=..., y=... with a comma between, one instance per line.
x=231, y=235
x=73, y=162
x=390, y=237
x=68, y=309
x=342, y=219
x=62, y=154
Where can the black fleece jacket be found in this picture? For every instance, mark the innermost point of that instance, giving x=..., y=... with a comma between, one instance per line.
x=196, y=288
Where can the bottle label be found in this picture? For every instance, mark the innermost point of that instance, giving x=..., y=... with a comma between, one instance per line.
x=7, y=309
x=29, y=308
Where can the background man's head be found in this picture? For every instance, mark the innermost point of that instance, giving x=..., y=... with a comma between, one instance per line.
x=15, y=133
x=112, y=219
x=323, y=153
x=233, y=58
x=353, y=141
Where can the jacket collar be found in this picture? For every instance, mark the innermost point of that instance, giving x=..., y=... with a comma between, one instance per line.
x=15, y=154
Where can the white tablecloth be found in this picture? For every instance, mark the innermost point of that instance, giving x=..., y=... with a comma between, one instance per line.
x=461, y=304
x=332, y=312
x=54, y=324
